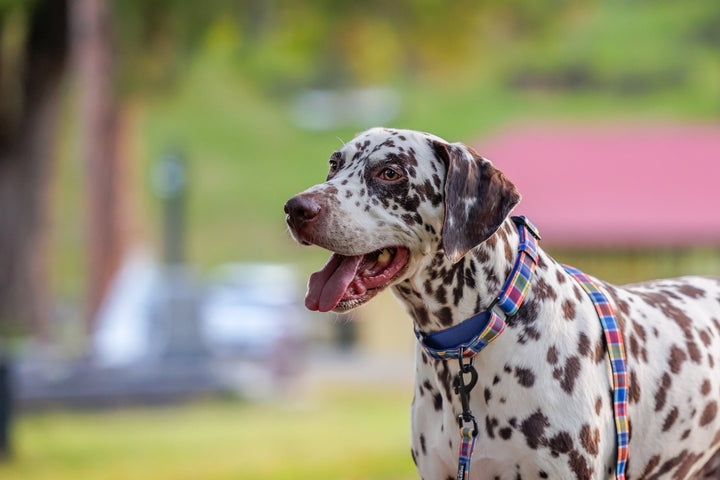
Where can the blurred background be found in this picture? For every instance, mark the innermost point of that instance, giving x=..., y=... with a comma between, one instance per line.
x=151, y=319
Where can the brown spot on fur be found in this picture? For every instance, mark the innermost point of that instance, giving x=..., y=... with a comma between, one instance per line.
x=561, y=443
x=652, y=463
x=438, y=402
x=640, y=331
x=705, y=338
x=634, y=347
x=490, y=424
x=670, y=419
x=541, y=260
x=420, y=315
x=584, y=345
x=693, y=351
x=445, y=316
x=633, y=388
x=441, y=294
x=661, y=394
x=579, y=466
x=533, y=428
x=589, y=439
x=600, y=350
x=568, y=308
x=491, y=242
x=578, y=293
x=692, y=292
x=571, y=370
x=677, y=357
x=709, y=413
x=598, y=405
x=552, y=355
x=623, y=306
x=705, y=388
x=525, y=377
x=509, y=254
x=543, y=290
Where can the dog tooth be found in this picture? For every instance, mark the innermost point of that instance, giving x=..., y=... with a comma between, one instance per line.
x=384, y=256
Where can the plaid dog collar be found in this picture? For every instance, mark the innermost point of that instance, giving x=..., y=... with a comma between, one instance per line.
x=467, y=338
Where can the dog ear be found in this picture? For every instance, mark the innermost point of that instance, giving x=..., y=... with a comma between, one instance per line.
x=478, y=199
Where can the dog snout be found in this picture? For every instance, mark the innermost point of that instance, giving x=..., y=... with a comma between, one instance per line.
x=301, y=211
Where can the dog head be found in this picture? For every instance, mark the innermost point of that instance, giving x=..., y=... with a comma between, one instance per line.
x=391, y=198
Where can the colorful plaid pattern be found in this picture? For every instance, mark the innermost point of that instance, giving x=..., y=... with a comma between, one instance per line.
x=616, y=351
x=468, y=434
x=516, y=286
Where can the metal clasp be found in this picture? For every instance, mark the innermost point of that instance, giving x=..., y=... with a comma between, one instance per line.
x=463, y=389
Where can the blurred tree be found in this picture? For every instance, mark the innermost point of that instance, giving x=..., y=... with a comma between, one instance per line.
x=286, y=44
x=34, y=53
x=33, y=56
x=94, y=66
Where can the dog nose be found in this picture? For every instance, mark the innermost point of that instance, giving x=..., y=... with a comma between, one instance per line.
x=301, y=210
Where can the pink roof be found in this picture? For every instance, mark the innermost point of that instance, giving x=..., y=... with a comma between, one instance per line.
x=626, y=185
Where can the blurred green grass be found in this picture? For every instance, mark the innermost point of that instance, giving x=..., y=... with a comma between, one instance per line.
x=349, y=435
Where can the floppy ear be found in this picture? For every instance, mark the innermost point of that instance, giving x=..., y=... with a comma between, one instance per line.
x=478, y=199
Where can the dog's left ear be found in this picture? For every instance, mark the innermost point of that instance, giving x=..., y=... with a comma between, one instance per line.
x=478, y=199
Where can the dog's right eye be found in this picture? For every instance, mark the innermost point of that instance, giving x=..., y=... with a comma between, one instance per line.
x=333, y=166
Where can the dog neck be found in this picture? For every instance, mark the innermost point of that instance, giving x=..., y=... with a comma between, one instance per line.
x=443, y=294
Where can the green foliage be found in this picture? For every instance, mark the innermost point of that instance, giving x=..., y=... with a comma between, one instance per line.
x=340, y=436
x=225, y=98
x=10, y=5
x=287, y=43
x=626, y=48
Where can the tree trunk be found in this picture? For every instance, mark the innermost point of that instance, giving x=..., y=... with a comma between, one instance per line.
x=94, y=62
x=27, y=127
x=28, y=111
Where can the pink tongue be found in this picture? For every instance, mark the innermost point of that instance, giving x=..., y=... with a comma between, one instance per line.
x=327, y=287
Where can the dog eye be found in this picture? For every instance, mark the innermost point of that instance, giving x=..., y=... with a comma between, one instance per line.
x=389, y=174
x=333, y=166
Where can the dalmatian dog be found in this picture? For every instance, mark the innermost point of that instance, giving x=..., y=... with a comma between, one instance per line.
x=429, y=219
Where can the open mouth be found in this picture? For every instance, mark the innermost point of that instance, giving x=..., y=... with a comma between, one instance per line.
x=346, y=282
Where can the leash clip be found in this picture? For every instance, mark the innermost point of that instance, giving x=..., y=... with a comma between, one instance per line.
x=468, y=423
x=463, y=390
